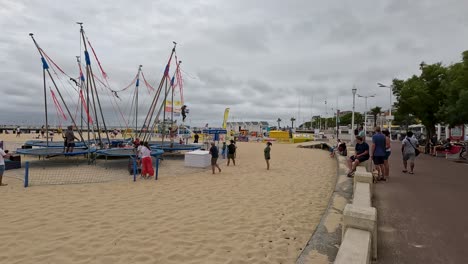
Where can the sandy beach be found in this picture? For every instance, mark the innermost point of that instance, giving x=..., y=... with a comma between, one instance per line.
x=245, y=214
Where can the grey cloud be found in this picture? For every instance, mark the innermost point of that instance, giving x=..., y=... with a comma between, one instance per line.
x=262, y=59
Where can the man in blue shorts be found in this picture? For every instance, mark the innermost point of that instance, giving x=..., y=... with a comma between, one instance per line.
x=361, y=155
x=377, y=153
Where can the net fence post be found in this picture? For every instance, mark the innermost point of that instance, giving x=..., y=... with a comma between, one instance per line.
x=135, y=169
x=157, y=169
x=26, y=174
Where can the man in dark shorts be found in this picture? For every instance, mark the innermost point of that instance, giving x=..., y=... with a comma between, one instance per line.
x=362, y=154
x=377, y=152
x=214, y=157
x=232, y=153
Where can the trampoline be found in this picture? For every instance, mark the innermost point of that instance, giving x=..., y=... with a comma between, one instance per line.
x=168, y=146
x=52, y=144
x=114, y=143
x=126, y=152
x=51, y=151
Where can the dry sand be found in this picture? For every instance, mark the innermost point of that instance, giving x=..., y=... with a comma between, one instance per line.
x=246, y=214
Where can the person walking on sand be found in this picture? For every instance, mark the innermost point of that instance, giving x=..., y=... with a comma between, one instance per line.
x=18, y=131
x=266, y=152
x=3, y=155
x=231, y=153
x=377, y=153
x=408, y=149
x=195, y=138
x=214, y=157
x=42, y=131
x=147, y=170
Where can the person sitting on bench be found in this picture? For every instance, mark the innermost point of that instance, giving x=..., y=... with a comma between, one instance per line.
x=361, y=155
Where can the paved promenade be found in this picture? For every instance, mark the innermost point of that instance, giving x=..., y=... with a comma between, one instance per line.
x=423, y=218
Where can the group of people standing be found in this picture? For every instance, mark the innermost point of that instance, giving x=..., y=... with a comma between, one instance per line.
x=143, y=151
x=231, y=151
x=380, y=151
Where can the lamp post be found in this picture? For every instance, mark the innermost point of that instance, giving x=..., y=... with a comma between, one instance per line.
x=326, y=115
x=390, y=117
x=365, y=111
x=354, y=90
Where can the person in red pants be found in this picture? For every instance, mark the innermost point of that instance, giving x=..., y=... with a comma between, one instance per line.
x=147, y=170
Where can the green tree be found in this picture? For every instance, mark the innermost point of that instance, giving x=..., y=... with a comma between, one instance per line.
x=404, y=120
x=376, y=112
x=292, y=122
x=454, y=111
x=346, y=119
x=422, y=96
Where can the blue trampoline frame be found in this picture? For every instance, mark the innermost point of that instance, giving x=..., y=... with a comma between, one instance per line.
x=175, y=146
x=54, y=151
x=113, y=152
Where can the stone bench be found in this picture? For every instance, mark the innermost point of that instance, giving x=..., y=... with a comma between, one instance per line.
x=362, y=194
x=362, y=218
x=359, y=232
x=361, y=175
x=355, y=248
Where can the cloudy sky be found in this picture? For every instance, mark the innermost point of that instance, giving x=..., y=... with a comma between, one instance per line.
x=263, y=59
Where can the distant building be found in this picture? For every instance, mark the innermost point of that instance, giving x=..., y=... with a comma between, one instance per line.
x=251, y=126
x=342, y=113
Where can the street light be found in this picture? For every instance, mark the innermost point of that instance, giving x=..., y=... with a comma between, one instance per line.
x=365, y=112
x=326, y=115
x=354, y=90
x=390, y=117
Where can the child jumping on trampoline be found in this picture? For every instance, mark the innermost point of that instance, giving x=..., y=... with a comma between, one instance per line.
x=147, y=170
x=70, y=139
x=184, y=112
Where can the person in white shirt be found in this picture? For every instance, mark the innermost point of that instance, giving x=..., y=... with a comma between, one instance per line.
x=408, y=149
x=3, y=155
x=147, y=170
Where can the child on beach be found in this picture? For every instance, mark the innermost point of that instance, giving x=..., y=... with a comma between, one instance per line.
x=231, y=153
x=70, y=139
x=266, y=152
x=147, y=170
x=223, y=153
x=3, y=154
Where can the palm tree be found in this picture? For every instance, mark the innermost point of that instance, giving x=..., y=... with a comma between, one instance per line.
x=376, y=112
x=279, y=122
x=292, y=122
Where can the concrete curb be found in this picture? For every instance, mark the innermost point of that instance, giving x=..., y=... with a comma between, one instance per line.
x=323, y=245
x=359, y=237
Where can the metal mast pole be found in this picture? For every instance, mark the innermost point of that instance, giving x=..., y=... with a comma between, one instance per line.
x=81, y=92
x=352, y=116
x=136, y=100
x=87, y=82
x=46, y=68
x=45, y=103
